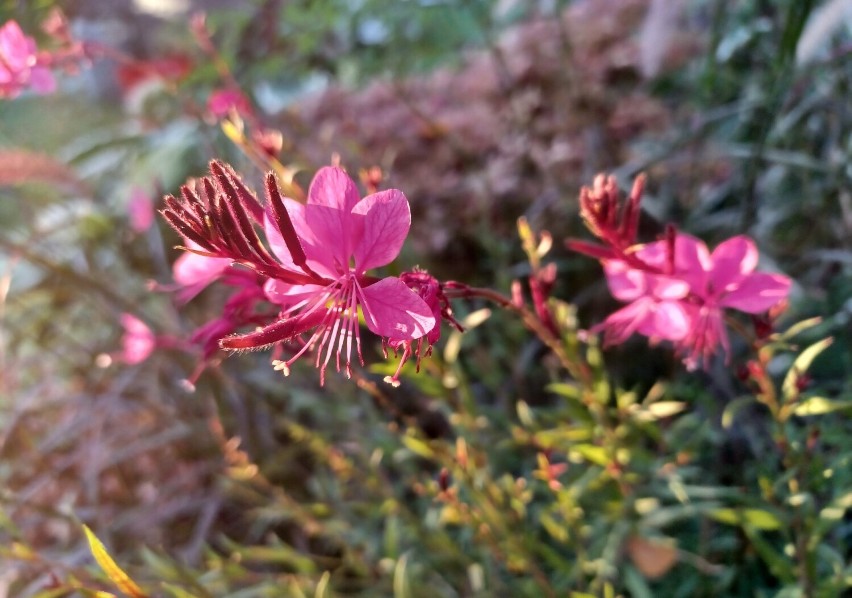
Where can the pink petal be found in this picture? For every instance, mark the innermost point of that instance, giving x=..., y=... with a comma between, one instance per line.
x=669, y=321
x=691, y=255
x=620, y=325
x=42, y=81
x=392, y=310
x=387, y=219
x=757, y=293
x=628, y=284
x=691, y=260
x=625, y=283
x=138, y=341
x=282, y=293
x=195, y=272
x=333, y=188
x=140, y=208
x=276, y=241
x=732, y=260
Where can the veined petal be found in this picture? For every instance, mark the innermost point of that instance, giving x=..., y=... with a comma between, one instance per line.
x=282, y=293
x=328, y=213
x=757, y=292
x=732, y=260
x=386, y=221
x=393, y=310
x=333, y=188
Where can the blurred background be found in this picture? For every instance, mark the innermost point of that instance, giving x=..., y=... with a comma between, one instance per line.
x=482, y=111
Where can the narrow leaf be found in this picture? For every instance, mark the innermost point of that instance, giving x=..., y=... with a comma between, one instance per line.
x=116, y=575
x=801, y=365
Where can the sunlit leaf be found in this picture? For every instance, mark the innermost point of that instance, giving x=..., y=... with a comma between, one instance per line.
x=820, y=406
x=801, y=365
x=115, y=574
x=755, y=518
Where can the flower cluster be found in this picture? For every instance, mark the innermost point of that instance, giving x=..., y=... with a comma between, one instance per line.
x=675, y=288
x=21, y=65
x=315, y=269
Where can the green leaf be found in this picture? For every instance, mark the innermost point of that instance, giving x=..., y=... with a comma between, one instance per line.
x=323, y=589
x=733, y=408
x=754, y=518
x=401, y=585
x=592, y=453
x=801, y=365
x=820, y=406
x=418, y=447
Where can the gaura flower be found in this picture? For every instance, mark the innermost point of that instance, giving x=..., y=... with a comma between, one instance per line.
x=317, y=270
x=138, y=340
x=140, y=210
x=343, y=236
x=20, y=64
x=222, y=101
x=682, y=293
x=655, y=304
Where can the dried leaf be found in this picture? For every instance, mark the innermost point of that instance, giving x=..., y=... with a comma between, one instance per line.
x=653, y=558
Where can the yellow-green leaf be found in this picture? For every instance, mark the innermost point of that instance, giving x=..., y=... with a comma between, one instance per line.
x=116, y=575
x=801, y=365
x=417, y=446
x=820, y=405
x=755, y=518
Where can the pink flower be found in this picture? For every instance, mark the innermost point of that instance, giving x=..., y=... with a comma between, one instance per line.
x=342, y=236
x=138, y=341
x=317, y=270
x=685, y=303
x=193, y=272
x=222, y=101
x=655, y=310
x=19, y=64
x=140, y=208
x=432, y=293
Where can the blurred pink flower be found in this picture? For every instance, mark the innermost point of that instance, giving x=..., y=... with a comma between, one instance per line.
x=723, y=279
x=655, y=304
x=342, y=237
x=20, y=66
x=222, y=101
x=140, y=209
x=194, y=272
x=138, y=341
x=684, y=290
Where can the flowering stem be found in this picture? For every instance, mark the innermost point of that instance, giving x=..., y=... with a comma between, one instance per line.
x=577, y=369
